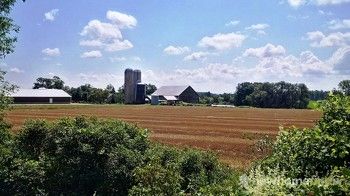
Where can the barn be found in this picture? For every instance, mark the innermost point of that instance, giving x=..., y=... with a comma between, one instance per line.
x=175, y=94
x=41, y=96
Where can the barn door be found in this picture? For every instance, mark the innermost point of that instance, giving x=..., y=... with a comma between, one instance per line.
x=50, y=100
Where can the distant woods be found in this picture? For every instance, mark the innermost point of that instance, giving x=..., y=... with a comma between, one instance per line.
x=272, y=95
x=262, y=95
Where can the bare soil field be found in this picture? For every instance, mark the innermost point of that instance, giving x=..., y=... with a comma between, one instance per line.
x=230, y=132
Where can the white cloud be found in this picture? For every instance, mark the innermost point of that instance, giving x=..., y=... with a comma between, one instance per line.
x=318, y=39
x=125, y=59
x=108, y=35
x=232, y=23
x=91, y=43
x=136, y=59
x=117, y=45
x=173, y=50
x=16, y=70
x=298, y=3
x=212, y=72
x=260, y=26
x=269, y=50
x=261, y=32
x=51, y=15
x=330, y=2
x=52, y=52
x=99, y=80
x=101, y=31
x=91, y=54
x=341, y=60
x=196, y=56
x=274, y=60
x=117, y=59
x=325, y=13
x=222, y=41
x=121, y=20
x=339, y=24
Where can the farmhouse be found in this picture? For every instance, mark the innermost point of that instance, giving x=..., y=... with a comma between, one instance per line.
x=41, y=96
x=174, y=94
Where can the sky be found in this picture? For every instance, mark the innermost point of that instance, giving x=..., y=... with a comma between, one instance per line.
x=211, y=45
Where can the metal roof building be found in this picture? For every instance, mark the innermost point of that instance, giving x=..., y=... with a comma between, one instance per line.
x=41, y=96
x=177, y=93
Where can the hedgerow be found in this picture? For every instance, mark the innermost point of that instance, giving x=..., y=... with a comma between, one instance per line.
x=86, y=156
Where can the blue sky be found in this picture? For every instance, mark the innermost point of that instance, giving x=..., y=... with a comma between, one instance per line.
x=211, y=45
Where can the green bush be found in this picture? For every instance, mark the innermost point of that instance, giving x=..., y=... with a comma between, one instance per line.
x=315, y=151
x=86, y=156
x=74, y=156
x=170, y=171
x=274, y=181
x=311, y=161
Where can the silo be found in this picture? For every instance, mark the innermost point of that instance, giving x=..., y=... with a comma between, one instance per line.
x=129, y=86
x=137, y=74
x=140, y=93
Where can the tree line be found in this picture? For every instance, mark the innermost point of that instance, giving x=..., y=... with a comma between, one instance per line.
x=87, y=93
x=272, y=95
x=263, y=95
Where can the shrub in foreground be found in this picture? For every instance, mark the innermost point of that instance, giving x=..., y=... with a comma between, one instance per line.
x=170, y=171
x=316, y=151
x=86, y=156
x=311, y=161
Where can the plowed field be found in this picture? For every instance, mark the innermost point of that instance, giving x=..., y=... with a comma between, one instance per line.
x=231, y=132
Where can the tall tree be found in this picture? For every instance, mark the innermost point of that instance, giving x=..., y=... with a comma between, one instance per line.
x=344, y=86
x=7, y=28
x=7, y=40
x=112, y=95
x=49, y=83
x=150, y=89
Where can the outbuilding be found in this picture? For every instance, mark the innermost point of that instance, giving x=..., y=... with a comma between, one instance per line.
x=173, y=94
x=41, y=96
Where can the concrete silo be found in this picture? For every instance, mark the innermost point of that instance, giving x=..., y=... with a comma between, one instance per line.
x=134, y=91
x=129, y=86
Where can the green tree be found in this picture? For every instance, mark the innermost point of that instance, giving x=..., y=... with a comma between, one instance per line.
x=150, y=88
x=304, y=153
x=6, y=89
x=112, y=95
x=120, y=95
x=49, y=83
x=344, y=86
x=7, y=28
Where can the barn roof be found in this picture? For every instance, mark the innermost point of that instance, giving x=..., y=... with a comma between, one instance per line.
x=40, y=93
x=170, y=90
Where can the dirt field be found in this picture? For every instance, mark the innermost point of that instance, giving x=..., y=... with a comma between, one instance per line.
x=231, y=132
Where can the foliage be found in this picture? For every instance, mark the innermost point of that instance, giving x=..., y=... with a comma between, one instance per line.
x=170, y=171
x=85, y=156
x=150, y=89
x=344, y=87
x=89, y=94
x=272, y=95
x=74, y=156
x=314, y=104
x=316, y=95
x=49, y=83
x=7, y=28
x=307, y=152
x=5, y=89
x=210, y=98
x=273, y=181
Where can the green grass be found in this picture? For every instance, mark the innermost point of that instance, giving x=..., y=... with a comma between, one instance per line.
x=314, y=104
